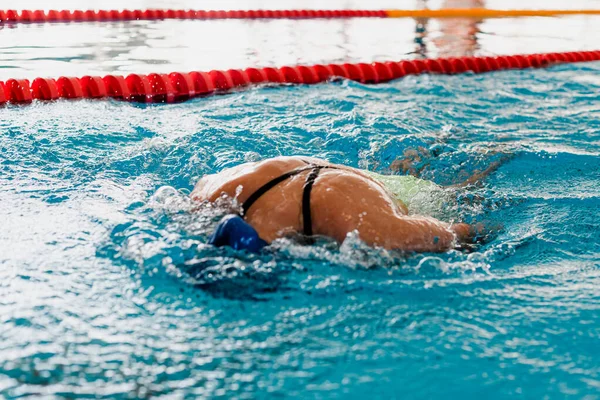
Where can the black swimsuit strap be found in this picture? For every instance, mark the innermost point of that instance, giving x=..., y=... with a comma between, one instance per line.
x=268, y=186
x=310, y=180
x=306, y=213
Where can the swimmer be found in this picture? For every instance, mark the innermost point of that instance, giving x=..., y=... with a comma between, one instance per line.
x=303, y=196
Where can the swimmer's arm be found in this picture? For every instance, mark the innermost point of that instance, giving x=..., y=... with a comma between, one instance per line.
x=430, y=235
x=422, y=234
x=470, y=234
x=408, y=233
x=362, y=206
x=396, y=232
x=479, y=176
x=465, y=233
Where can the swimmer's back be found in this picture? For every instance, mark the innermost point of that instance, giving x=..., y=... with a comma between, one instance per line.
x=337, y=192
x=248, y=177
x=339, y=200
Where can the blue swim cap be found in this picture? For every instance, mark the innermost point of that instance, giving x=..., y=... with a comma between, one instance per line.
x=234, y=232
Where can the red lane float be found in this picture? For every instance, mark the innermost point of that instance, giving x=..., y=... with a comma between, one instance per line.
x=28, y=16
x=179, y=86
x=18, y=90
x=44, y=89
x=116, y=87
x=39, y=16
x=93, y=87
x=3, y=97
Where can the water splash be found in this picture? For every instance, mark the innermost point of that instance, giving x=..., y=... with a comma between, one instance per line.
x=108, y=286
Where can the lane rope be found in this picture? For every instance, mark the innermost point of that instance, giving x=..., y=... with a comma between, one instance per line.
x=40, y=16
x=481, y=13
x=179, y=86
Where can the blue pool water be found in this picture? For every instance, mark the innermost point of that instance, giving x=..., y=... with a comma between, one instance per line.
x=107, y=288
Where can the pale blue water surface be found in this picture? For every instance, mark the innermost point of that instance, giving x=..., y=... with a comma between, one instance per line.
x=107, y=288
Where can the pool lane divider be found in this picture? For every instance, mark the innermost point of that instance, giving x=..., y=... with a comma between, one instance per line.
x=42, y=16
x=179, y=86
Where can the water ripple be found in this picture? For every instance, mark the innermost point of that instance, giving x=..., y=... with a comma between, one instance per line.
x=108, y=289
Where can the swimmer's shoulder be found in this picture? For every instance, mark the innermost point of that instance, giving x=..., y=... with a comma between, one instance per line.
x=246, y=177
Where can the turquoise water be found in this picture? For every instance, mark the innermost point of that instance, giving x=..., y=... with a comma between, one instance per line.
x=108, y=290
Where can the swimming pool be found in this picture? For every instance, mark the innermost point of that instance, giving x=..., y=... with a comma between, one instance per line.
x=142, y=47
x=107, y=288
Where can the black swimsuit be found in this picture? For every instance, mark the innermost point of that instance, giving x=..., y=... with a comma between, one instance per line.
x=310, y=180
